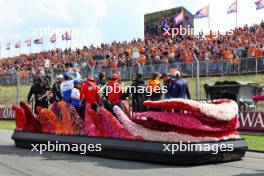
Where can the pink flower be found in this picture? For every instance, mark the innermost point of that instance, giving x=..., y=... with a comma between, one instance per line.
x=113, y=125
x=187, y=121
x=153, y=135
x=223, y=110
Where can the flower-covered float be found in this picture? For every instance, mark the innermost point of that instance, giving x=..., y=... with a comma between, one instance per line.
x=205, y=131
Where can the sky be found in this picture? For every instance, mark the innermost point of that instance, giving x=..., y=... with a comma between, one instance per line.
x=103, y=21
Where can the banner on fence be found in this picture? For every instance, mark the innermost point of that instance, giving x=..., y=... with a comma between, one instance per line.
x=7, y=113
x=251, y=121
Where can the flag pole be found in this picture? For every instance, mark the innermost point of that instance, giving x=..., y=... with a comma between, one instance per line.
x=209, y=17
x=0, y=50
x=42, y=46
x=71, y=40
x=30, y=46
x=55, y=43
x=236, y=12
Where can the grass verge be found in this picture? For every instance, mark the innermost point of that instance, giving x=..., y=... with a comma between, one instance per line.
x=7, y=124
x=254, y=142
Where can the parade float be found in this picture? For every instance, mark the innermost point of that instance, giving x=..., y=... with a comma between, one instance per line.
x=152, y=136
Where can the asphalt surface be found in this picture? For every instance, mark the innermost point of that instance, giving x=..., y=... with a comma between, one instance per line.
x=23, y=162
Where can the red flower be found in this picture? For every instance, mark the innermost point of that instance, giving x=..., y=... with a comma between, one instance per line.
x=54, y=107
x=168, y=136
x=158, y=126
x=187, y=121
x=90, y=129
x=77, y=122
x=112, y=124
x=223, y=110
x=49, y=122
x=33, y=125
x=97, y=123
x=20, y=118
x=66, y=119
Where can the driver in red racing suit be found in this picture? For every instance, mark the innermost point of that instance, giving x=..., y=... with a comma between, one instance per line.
x=114, y=91
x=90, y=93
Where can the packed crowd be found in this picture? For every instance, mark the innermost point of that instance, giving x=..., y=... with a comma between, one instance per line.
x=244, y=42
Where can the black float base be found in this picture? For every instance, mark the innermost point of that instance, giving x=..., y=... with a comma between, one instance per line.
x=146, y=151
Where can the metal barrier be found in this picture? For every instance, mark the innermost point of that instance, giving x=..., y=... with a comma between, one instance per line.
x=206, y=68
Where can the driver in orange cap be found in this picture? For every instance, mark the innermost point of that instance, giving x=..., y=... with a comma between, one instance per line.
x=90, y=93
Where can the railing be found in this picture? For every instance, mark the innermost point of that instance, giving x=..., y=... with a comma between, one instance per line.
x=206, y=68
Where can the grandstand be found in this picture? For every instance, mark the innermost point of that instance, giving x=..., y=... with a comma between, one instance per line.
x=221, y=55
x=154, y=22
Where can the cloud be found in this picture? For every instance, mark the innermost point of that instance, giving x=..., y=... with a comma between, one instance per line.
x=72, y=11
x=19, y=18
x=148, y=6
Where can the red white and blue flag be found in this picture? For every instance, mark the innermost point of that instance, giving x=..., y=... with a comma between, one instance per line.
x=28, y=42
x=202, y=13
x=232, y=8
x=66, y=36
x=38, y=40
x=179, y=18
x=53, y=38
x=259, y=4
x=17, y=45
x=8, y=46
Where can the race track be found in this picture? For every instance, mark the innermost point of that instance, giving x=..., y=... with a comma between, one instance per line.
x=23, y=162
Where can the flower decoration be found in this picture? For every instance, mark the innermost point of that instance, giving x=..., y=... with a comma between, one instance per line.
x=33, y=125
x=187, y=121
x=66, y=119
x=20, y=118
x=223, y=110
x=113, y=125
x=154, y=135
x=126, y=108
x=49, y=122
x=192, y=121
x=100, y=129
x=77, y=122
x=90, y=128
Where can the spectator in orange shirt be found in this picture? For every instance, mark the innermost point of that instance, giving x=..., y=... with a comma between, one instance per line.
x=258, y=52
x=142, y=59
x=227, y=54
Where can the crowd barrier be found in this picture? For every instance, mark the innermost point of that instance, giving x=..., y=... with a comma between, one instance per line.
x=207, y=68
